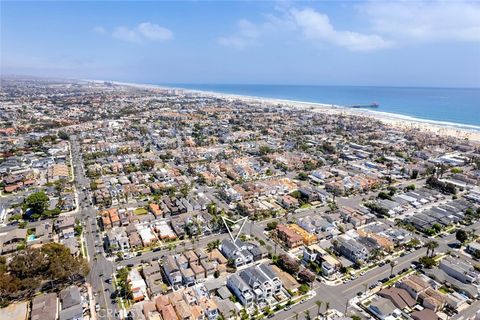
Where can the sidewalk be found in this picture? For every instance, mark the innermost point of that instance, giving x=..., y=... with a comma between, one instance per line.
x=91, y=300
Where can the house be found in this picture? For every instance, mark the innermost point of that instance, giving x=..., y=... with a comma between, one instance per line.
x=153, y=278
x=44, y=232
x=68, y=233
x=288, y=236
x=137, y=285
x=241, y=290
x=425, y=314
x=72, y=245
x=15, y=311
x=150, y=311
x=191, y=257
x=209, y=307
x=289, y=202
x=155, y=209
x=71, y=304
x=188, y=276
x=44, y=307
x=147, y=236
x=473, y=248
x=382, y=308
x=237, y=251
x=117, y=240
x=172, y=271
x=168, y=312
x=255, y=284
x=460, y=270
x=414, y=285
x=11, y=240
x=198, y=271
x=329, y=264
x=64, y=222
x=134, y=240
x=351, y=249
x=432, y=299
x=399, y=297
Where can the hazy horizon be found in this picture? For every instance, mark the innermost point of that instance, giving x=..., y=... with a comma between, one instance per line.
x=362, y=43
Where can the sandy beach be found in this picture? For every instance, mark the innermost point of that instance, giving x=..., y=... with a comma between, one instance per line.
x=458, y=131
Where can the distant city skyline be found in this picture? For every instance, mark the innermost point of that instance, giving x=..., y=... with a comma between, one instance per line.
x=361, y=43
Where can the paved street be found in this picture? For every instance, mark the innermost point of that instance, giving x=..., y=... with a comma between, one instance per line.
x=101, y=269
x=338, y=296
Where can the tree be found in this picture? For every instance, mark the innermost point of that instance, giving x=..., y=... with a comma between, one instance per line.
x=414, y=242
x=431, y=245
x=303, y=289
x=243, y=314
x=234, y=313
x=306, y=276
x=37, y=202
x=376, y=253
x=392, y=265
x=212, y=245
x=461, y=235
x=272, y=225
x=307, y=314
x=289, y=264
x=319, y=305
x=302, y=176
x=28, y=269
x=414, y=174
x=427, y=262
x=63, y=135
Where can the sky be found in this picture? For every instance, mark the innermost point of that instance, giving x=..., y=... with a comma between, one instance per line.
x=387, y=43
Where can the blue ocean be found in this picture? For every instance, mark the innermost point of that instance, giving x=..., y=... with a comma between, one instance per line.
x=455, y=106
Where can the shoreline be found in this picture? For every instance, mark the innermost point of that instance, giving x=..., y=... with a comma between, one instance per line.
x=403, y=122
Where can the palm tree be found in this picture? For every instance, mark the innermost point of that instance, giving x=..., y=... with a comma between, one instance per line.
x=243, y=314
x=376, y=253
x=392, y=265
x=307, y=314
x=431, y=245
x=319, y=305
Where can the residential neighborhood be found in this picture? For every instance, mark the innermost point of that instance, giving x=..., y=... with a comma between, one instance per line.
x=127, y=202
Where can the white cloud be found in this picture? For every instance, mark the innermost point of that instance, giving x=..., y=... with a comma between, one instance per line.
x=154, y=31
x=247, y=33
x=125, y=34
x=425, y=21
x=145, y=31
x=389, y=23
x=314, y=26
x=99, y=29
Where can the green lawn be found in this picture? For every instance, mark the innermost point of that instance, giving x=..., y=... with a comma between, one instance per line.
x=140, y=211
